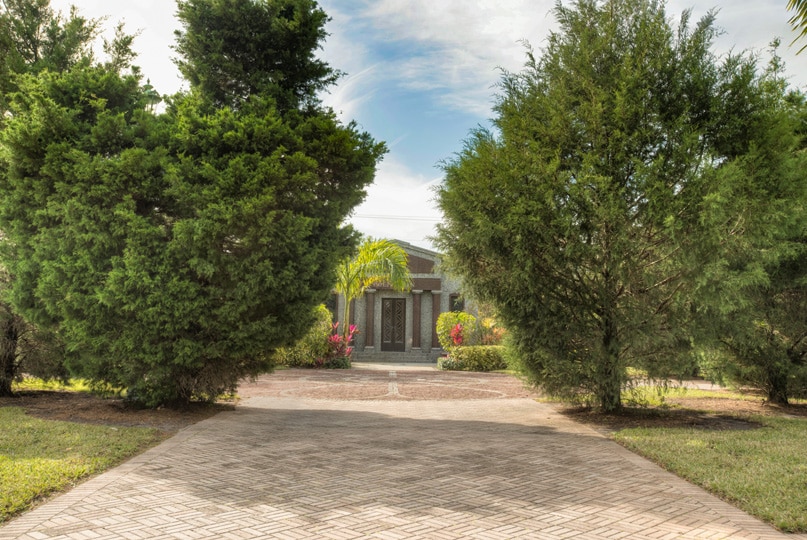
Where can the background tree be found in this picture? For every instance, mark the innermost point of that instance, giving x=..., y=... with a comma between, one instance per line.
x=765, y=331
x=616, y=183
x=26, y=349
x=34, y=38
x=276, y=57
x=377, y=261
x=175, y=252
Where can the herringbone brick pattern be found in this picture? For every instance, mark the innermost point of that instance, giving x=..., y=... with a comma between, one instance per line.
x=295, y=468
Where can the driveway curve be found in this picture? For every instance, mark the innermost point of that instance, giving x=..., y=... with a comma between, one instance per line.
x=387, y=452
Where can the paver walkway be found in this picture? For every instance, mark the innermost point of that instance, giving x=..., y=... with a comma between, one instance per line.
x=298, y=467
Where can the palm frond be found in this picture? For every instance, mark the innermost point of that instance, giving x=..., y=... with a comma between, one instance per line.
x=799, y=19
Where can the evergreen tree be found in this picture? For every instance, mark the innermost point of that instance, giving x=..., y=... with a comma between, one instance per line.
x=233, y=49
x=616, y=182
x=33, y=38
x=175, y=252
x=765, y=329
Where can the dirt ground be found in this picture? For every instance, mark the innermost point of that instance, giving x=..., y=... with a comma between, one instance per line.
x=390, y=385
x=88, y=408
x=702, y=413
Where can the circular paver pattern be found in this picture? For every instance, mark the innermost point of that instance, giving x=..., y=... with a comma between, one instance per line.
x=380, y=382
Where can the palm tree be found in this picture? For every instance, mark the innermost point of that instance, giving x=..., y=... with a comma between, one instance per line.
x=799, y=20
x=377, y=261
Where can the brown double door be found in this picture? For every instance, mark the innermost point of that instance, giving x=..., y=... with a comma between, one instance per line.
x=393, y=324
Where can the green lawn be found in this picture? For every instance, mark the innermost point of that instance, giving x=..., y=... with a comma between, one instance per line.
x=39, y=457
x=761, y=470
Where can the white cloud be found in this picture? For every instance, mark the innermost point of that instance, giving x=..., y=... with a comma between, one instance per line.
x=456, y=47
x=399, y=205
x=155, y=20
x=350, y=94
x=453, y=49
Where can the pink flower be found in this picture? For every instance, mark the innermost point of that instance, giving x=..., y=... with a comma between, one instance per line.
x=456, y=335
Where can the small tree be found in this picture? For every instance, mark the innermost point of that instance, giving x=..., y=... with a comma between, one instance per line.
x=626, y=165
x=377, y=261
x=765, y=330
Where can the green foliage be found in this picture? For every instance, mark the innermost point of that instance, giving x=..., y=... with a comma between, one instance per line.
x=318, y=348
x=799, y=19
x=627, y=166
x=234, y=49
x=37, y=383
x=490, y=331
x=448, y=321
x=763, y=329
x=339, y=362
x=377, y=262
x=760, y=470
x=33, y=38
x=173, y=251
x=763, y=365
x=310, y=347
x=474, y=358
x=39, y=457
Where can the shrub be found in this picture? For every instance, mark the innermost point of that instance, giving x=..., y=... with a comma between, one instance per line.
x=312, y=346
x=448, y=332
x=337, y=355
x=321, y=347
x=340, y=362
x=489, y=332
x=474, y=358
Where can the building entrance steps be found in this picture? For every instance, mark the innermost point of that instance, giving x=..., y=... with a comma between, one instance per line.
x=291, y=467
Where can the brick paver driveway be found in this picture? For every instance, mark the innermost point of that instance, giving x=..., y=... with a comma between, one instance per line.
x=373, y=453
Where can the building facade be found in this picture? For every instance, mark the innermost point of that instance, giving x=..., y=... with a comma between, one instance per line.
x=400, y=326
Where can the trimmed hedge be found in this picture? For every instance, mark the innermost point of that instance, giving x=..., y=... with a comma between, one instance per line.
x=474, y=358
x=341, y=362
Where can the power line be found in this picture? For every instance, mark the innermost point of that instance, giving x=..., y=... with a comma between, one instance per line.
x=403, y=218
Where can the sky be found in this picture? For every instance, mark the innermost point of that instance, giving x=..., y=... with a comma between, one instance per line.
x=421, y=75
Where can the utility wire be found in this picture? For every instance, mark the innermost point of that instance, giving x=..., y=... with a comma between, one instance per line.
x=404, y=218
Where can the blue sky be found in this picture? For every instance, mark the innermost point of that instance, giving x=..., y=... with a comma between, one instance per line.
x=422, y=73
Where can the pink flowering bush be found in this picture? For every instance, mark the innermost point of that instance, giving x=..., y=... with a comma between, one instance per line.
x=339, y=349
x=448, y=332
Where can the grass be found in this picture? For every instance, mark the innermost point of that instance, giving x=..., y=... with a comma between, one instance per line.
x=655, y=396
x=32, y=383
x=40, y=457
x=763, y=471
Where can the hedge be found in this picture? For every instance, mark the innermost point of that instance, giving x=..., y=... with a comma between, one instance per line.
x=474, y=358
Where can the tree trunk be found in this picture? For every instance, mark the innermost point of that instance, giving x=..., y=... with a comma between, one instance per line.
x=8, y=355
x=777, y=385
x=609, y=372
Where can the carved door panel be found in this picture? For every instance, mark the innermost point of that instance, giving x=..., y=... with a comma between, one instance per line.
x=393, y=324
